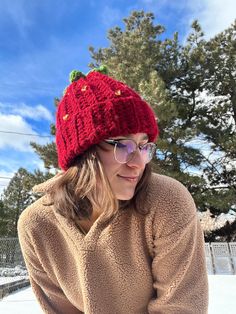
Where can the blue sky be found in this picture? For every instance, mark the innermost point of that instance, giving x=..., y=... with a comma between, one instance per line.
x=41, y=41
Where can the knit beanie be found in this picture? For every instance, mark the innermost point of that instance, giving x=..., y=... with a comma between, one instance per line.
x=97, y=107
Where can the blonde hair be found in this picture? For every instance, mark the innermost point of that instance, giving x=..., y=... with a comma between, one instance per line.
x=84, y=187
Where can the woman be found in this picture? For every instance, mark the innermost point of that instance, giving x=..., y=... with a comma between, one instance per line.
x=108, y=236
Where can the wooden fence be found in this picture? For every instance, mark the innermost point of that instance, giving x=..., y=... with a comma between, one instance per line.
x=221, y=258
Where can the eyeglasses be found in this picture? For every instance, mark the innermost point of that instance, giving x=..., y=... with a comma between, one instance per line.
x=125, y=149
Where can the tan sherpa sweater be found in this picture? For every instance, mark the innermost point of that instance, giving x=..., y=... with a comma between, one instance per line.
x=133, y=264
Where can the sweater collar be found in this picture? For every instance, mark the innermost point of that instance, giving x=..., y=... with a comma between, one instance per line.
x=46, y=186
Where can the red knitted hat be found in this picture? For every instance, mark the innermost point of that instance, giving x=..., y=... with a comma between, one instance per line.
x=97, y=107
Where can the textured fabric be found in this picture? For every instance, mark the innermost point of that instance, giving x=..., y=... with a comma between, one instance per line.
x=97, y=107
x=133, y=264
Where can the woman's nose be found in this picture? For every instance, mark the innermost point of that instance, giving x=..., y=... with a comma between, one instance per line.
x=136, y=160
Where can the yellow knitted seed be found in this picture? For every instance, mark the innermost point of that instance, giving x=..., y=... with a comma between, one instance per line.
x=65, y=117
x=118, y=92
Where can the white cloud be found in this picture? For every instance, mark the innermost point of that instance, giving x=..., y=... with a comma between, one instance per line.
x=36, y=113
x=15, y=123
x=33, y=112
x=213, y=15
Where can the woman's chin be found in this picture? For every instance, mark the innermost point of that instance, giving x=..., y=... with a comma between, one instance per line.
x=125, y=196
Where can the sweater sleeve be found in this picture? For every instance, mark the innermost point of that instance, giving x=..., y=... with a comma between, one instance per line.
x=48, y=293
x=178, y=265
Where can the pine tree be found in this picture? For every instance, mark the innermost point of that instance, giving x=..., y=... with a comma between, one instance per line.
x=220, y=81
x=217, y=120
x=17, y=196
x=47, y=153
x=193, y=74
x=3, y=224
x=133, y=53
x=137, y=56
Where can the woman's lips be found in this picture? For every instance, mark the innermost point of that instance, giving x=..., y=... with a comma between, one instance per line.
x=129, y=178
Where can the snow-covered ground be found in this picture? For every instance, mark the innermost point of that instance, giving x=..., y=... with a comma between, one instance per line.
x=222, y=298
x=21, y=302
x=222, y=294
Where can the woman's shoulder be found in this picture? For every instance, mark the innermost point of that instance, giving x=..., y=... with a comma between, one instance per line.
x=171, y=204
x=36, y=215
x=165, y=186
x=39, y=213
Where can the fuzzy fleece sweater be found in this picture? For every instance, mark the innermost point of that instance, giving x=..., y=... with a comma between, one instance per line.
x=132, y=264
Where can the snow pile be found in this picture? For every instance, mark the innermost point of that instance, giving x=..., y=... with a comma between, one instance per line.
x=13, y=272
x=8, y=280
x=210, y=222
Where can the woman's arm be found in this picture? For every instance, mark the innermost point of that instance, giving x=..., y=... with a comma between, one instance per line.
x=48, y=293
x=179, y=266
x=51, y=298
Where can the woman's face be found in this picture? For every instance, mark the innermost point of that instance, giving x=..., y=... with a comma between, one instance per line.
x=123, y=178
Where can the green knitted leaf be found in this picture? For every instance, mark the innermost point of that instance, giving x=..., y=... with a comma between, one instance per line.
x=102, y=69
x=75, y=75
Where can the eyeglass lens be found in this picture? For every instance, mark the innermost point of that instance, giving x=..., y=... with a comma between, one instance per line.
x=125, y=149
